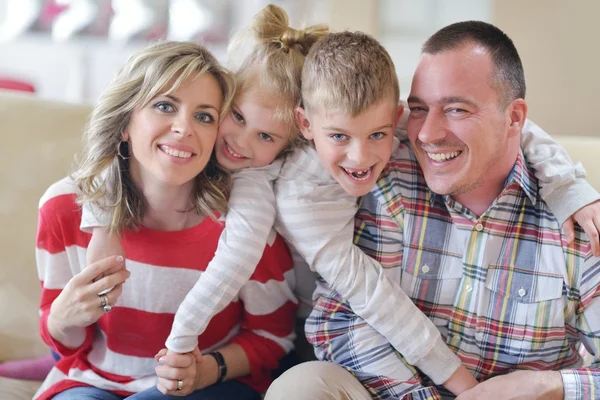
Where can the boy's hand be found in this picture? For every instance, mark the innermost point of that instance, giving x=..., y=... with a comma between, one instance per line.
x=588, y=218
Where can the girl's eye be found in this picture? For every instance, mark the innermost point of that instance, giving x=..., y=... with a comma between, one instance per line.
x=378, y=135
x=164, y=106
x=205, y=117
x=238, y=116
x=338, y=137
x=265, y=136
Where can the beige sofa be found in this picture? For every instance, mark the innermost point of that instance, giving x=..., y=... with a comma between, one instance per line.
x=39, y=139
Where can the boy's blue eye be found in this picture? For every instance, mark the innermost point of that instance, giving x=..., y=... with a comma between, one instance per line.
x=378, y=135
x=205, y=117
x=265, y=136
x=338, y=137
x=164, y=106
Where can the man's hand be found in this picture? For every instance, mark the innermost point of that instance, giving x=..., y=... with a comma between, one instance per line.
x=588, y=218
x=519, y=385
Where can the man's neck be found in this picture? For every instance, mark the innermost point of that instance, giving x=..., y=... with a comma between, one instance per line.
x=483, y=195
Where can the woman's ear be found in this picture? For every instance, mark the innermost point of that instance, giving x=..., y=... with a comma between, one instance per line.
x=303, y=123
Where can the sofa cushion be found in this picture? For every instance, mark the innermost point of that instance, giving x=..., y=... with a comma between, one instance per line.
x=39, y=139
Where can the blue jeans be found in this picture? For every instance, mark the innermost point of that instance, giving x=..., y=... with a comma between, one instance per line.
x=231, y=390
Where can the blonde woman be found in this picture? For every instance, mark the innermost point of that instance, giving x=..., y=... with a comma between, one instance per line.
x=150, y=141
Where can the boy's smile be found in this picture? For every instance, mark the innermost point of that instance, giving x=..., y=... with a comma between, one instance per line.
x=353, y=149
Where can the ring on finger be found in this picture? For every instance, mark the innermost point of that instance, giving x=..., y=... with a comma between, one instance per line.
x=179, y=384
x=103, y=300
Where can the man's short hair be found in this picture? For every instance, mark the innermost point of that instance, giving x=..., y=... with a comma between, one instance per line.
x=348, y=72
x=509, y=79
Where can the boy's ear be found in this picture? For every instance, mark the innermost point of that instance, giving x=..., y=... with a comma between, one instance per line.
x=303, y=123
x=518, y=115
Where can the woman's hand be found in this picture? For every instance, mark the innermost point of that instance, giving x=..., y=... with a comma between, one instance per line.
x=78, y=305
x=179, y=369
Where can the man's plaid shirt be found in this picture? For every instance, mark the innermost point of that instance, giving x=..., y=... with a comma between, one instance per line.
x=505, y=289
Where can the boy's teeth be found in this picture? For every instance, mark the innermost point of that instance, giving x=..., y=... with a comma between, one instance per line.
x=176, y=153
x=359, y=175
x=439, y=157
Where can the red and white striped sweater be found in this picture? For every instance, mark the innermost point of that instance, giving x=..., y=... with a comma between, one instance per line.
x=118, y=352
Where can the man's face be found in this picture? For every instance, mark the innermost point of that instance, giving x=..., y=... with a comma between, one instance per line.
x=457, y=126
x=354, y=150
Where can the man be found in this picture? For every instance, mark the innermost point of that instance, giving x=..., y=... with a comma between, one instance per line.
x=457, y=220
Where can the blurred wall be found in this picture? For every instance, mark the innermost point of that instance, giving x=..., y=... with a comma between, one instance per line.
x=559, y=44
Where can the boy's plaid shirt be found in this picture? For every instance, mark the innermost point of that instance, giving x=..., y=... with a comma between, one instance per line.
x=505, y=289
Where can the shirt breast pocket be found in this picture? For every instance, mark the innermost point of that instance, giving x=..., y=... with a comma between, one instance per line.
x=431, y=277
x=520, y=311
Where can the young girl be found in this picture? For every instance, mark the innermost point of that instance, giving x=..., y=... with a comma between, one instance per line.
x=251, y=141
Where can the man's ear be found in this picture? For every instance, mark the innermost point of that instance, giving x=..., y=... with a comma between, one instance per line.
x=517, y=115
x=303, y=123
x=399, y=113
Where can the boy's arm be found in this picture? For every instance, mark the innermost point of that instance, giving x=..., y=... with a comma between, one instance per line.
x=248, y=224
x=562, y=183
x=319, y=224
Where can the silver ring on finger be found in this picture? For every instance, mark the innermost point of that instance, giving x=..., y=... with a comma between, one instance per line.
x=103, y=300
x=179, y=384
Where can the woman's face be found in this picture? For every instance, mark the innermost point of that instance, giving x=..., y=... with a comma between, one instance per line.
x=172, y=137
x=250, y=136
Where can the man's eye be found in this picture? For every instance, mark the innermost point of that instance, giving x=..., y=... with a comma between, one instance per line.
x=456, y=111
x=338, y=137
x=205, y=117
x=238, y=116
x=265, y=136
x=164, y=106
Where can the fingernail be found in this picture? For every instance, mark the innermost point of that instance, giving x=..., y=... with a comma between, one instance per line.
x=119, y=258
x=162, y=360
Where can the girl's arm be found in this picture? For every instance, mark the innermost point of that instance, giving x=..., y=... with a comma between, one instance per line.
x=249, y=220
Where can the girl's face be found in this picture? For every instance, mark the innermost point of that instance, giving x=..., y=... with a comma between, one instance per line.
x=250, y=136
x=172, y=137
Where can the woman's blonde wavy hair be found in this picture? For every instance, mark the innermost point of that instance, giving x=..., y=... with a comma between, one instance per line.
x=102, y=177
x=270, y=54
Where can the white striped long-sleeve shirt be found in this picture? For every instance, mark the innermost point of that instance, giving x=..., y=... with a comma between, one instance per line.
x=316, y=218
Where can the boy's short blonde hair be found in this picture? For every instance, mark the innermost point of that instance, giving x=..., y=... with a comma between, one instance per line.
x=269, y=55
x=348, y=72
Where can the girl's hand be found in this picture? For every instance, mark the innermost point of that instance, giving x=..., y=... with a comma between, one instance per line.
x=178, y=374
x=79, y=305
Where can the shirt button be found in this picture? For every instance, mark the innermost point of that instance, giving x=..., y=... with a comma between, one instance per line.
x=522, y=292
x=425, y=268
x=479, y=227
x=469, y=288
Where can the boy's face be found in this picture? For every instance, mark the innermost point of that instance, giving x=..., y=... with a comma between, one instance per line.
x=354, y=150
x=250, y=136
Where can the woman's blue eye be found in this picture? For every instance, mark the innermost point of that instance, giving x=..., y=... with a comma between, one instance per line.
x=378, y=135
x=338, y=137
x=238, y=116
x=164, y=106
x=205, y=117
x=265, y=136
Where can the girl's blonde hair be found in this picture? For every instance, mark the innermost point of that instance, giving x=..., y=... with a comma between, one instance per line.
x=270, y=54
x=102, y=175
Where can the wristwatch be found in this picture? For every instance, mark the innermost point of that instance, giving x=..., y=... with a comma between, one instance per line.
x=221, y=363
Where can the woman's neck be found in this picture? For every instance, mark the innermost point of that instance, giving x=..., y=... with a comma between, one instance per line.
x=169, y=208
